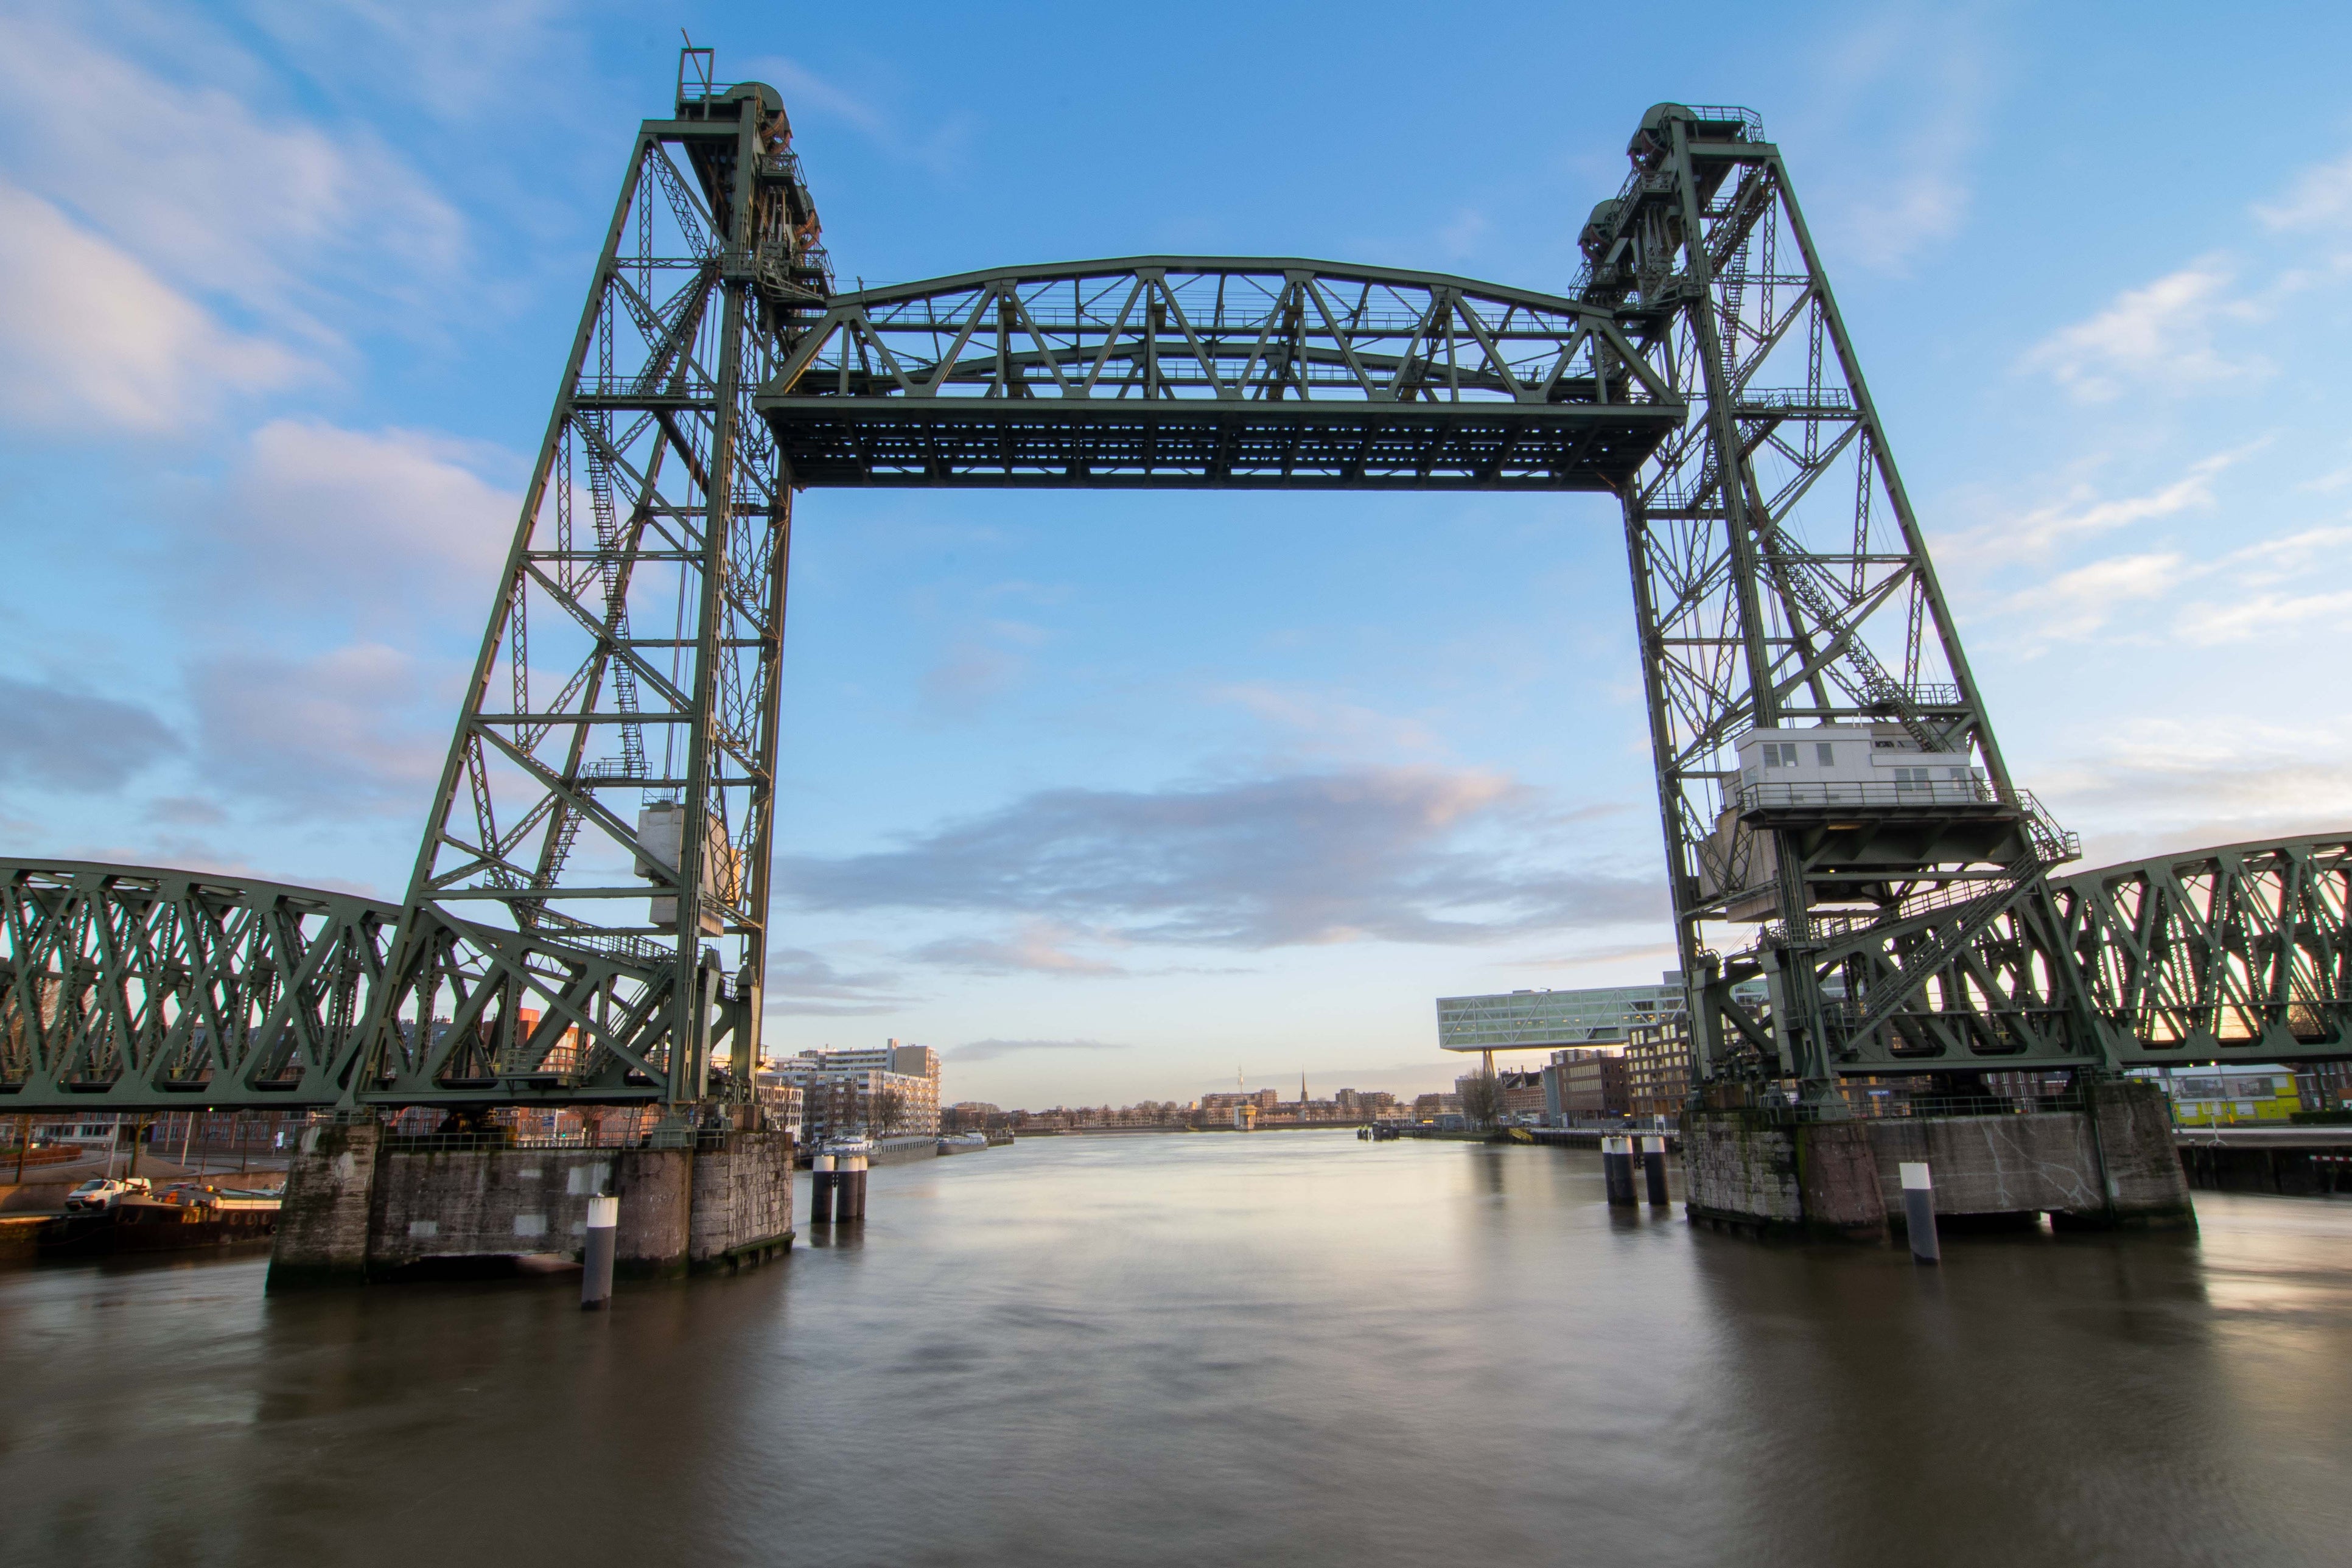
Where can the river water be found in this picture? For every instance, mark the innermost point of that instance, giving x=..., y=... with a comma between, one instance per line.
x=1280, y=1348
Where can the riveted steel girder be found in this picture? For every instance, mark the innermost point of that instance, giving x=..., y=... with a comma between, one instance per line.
x=1215, y=372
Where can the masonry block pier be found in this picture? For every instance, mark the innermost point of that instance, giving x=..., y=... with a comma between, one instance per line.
x=2108, y=1163
x=365, y=1206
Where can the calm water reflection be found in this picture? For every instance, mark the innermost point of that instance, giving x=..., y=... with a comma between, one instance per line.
x=1283, y=1347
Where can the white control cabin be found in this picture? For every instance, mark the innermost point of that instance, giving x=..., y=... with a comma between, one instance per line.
x=1877, y=765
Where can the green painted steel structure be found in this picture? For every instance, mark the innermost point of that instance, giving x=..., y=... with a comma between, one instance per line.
x=586, y=918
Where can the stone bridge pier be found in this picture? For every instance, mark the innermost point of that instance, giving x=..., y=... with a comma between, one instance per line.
x=2112, y=1162
x=364, y=1205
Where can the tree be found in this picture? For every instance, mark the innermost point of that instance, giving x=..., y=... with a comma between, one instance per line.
x=1482, y=1099
x=889, y=1112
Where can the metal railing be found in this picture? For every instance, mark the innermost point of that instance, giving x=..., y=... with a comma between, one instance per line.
x=1750, y=124
x=1832, y=792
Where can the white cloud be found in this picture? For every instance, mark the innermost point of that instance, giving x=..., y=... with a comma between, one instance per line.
x=1314, y=722
x=2085, y=511
x=2320, y=197
x=1904, y=101
x=284, y=218
x=2166, y=785
x=2078, y=602
x=1414, y=854
x=372, y=523
x=459, y=59
x=1035, y=947
x=2262, y=615
x=336, y=735
x=89, y=335
x=2164, y=337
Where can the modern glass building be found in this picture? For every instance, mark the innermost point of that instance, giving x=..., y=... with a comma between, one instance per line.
x=1549, y=1020
x=1554, y=1020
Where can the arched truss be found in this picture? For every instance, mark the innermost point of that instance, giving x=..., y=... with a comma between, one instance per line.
x=126, y=987
x=1197, y=371
x=132, y=987
x=2235, y=953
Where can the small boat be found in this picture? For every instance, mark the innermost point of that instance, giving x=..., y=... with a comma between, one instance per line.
x=192, y=1214
x=961, y=1142
x=187, y=1215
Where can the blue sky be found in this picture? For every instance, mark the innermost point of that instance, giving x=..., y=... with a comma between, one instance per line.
x=1111, y=796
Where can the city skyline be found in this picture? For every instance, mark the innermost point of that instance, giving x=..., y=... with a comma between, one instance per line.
x=1110, y=794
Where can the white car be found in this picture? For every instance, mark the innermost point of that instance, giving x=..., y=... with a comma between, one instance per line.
x=104, y=1192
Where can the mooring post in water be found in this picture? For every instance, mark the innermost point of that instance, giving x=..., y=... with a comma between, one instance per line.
x=1617, y=1169
x=822, y=1182
x=1654, y=1166
x=853, y=1188
x=1919, y=1212
x=604, y=1230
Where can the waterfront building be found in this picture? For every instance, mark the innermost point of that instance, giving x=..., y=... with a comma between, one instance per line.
x=1430, y=1106
x=1517, y=1094
x=1220, y=1107
x=1592, y=1085
x=842, y=1091
x=1657, y=1069
x=1554, y=1078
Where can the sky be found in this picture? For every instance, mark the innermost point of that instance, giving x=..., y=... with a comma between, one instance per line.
x=1111, y=796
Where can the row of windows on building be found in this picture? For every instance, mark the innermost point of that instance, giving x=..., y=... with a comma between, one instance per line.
x=876, y=1091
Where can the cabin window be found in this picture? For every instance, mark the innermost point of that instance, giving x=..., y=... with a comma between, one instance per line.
x=1779, y=754
x=1827, y=752
x=1914, y=778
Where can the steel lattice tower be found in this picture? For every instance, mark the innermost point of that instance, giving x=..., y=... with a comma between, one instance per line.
x=619, y=733
x=1781, y=583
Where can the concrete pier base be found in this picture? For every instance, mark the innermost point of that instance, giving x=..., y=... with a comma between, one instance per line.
x=362, y=1206
x=2109, y=1163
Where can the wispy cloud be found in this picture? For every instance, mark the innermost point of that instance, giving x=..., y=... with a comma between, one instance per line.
x=990, y=1050
x=281, y=215
x=2074, y=604
x=806, y=984
x=2319, y=198
x=1393, y=854
x=2085, y=513
x=1311, y=721
x=1036, y=947
x=374, y=525
x=2173, y=336
x=351, y=733
x=811, y=97
x=461, y=60
x=91, y=336
x=1906, y=95
x=2168, y=784
x=166, y=245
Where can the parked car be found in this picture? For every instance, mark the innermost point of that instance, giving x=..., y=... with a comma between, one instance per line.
x=105, y=1193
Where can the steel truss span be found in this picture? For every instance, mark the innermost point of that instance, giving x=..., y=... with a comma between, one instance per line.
x=129, y=987
x=1216, y=371
x=586, y=918
x=2240, y=953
